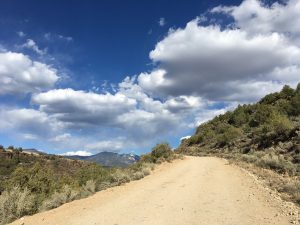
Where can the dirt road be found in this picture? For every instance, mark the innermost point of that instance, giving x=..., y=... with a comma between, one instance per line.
x=193, y=191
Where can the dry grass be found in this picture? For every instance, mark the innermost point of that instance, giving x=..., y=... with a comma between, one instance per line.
x=58, y=198
x=14, y=204
x=121, y=176
x=287, y=186
x=293, y=190
x=67, y=195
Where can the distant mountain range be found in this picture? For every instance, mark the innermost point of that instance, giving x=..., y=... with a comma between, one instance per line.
x=109, y=159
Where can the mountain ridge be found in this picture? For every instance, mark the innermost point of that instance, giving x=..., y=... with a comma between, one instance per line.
x=109, y=159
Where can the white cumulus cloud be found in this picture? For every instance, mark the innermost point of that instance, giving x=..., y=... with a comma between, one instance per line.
x=257, y=17
x=80, y=108
x=20, y=75
x=30, y=123
x=221, y=64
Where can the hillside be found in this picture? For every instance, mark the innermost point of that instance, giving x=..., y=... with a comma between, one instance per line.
x=109, y=159
x=15, y=162
x=32, y=182
x=265, y=134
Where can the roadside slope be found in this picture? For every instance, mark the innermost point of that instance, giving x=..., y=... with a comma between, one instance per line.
x=193, y=191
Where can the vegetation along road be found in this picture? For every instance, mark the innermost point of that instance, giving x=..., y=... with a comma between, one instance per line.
x=192, y=191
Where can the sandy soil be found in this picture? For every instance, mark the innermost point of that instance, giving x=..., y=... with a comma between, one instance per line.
x=193, y=191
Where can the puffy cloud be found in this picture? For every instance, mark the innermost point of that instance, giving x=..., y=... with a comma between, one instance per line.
x=216, y=63
x=256, y=17
x=182, y=104
x=154, y=117
x=20, y=75
x=129, y=88
x=145, y=127
x=30, y=123
x=129, y=113
x=171, y=105
x=153, y=80
x=81, y=108
x=106, y=146
x=130, y=110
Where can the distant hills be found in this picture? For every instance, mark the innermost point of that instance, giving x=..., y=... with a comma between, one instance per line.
x=106, y=159
x=109, y=159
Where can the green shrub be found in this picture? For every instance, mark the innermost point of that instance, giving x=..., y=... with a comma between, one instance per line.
x=228, y=136
x=261, y=114
x=294, y=109
x=147, y=158
x=92, y=172
x=38, y=179
x=196, y=139
x=270, y=99
x=276, y=128
x=161, y=151
x=239, y=117
x=287, y=92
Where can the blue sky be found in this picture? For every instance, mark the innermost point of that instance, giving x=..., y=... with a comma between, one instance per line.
x=120, y=76
x=111, y=39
